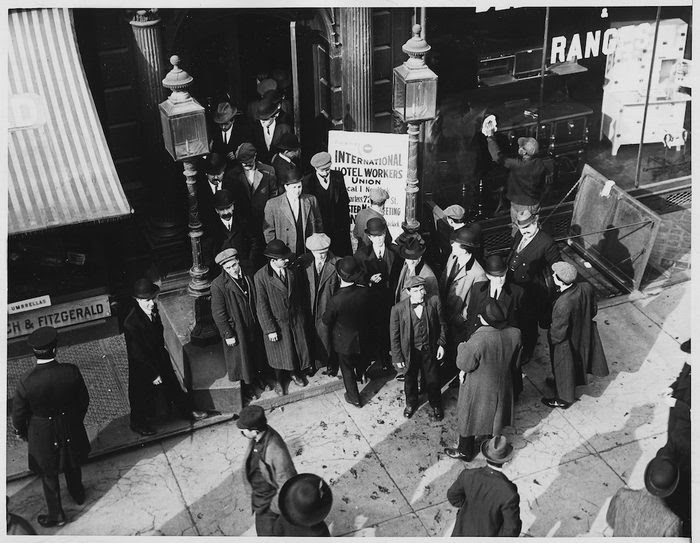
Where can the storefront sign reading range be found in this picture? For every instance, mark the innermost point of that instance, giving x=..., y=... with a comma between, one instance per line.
x=58, y=316
x=368, y=160
x=595, y=43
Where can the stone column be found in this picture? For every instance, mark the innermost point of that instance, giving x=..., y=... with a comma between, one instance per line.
x=356, y=36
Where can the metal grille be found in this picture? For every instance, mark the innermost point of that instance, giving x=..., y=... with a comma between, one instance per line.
x=680, y=198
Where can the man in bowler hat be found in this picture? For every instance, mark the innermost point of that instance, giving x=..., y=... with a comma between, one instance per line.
x=281, y=315
x=266, y=130
x=305, y=501
x=575, y=346
x=418, y=344
x=347, y=318
x=48, y=409
x=377, y=200
x=328, y=186
x=267, y=466
x=150, y=367
x=489, y=503
x=485, y=402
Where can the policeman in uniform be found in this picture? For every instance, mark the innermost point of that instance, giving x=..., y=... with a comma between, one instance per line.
x=48, y=410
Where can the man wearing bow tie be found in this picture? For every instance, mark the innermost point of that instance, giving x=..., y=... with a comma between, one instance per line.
x=418, y=344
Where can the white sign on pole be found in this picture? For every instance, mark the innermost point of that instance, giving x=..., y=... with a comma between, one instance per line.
x=367, y=160
x=29, y=304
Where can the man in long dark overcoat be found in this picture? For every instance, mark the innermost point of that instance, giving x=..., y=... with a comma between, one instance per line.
x=317, y=273
x=329, y=188
x=233, y=307
x=529, y=266
x=347, y=317
x=418, y=344
x=575, y=345
x=485, y=403
x=280, y=310
x=150, y=367
x=48, y=409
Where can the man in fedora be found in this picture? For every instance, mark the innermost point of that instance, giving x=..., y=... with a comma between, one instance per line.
x=267, y=466
x=150, y=368
x=382, y=265
x=266, y=132
x=489, y=503
x=347, y=319
x=305, y=501
x=317, y=271
x=485, y=361
x=288, y=155
x=231, y=231
x=574, y=343
x=233, y=307
x=231, y=131
x=461, y=272
x=643, y=512
x=280, y=308
x=48, y=409
x=328, y=186
x=418, y=344
x=292, y=217
x=377, y=200
x=414, y=266
x=529, y=266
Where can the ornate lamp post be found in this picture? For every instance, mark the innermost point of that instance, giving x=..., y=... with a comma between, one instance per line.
x=185, y=138
x=414, y=101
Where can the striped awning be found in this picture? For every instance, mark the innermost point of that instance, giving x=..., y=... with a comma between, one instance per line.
x=60, y=168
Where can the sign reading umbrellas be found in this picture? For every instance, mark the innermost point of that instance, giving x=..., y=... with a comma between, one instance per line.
x=368, y=160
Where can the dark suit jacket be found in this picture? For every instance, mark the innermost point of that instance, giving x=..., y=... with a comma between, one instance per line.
x=489, y=504
x=264, y=154
x=240, y=133
x=347, y=317
x=336, y=213
x=57, y=391
x=281, y=167
x=205, y=198
x=241, y=238
x=251, y=203
x=279, y=220
x=402, y=330
x=510, y=298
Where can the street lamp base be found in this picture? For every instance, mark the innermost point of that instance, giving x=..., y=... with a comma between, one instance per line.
x=204, y=331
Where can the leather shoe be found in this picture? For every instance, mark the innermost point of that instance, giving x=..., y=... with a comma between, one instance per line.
x=299, y=381
x=409, y=411
x=142, y=430
x=347, y=399
x=279, y=390
x=47, y=522
x=401, y=377
x=555, y=402
x=438, y=414
x=78, y=497
x=198, y=415
x=331, y=372
x=550, y=382
x=459, y=455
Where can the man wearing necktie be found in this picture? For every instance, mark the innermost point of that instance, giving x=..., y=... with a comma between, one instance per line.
x=212, y=179
x=267, y=131
x=418, y=344
x=231, y=130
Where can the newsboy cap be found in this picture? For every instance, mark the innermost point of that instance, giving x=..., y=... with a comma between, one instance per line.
x=455, y=212
x=565, y=271
x=252, y=417
x=246, y=152
x=288, y=142
x=318, y=242
x=415, y=281
x=376, y=226
x=223, y=199
x=225, y=255
x=43, y=338
x=224, y=113
x=144, y=289
x=378, y=195
x=530, y=145
x=321, y=160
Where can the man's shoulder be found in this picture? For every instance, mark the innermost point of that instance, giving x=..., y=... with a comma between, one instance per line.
x=265, y=168
x=132, y=320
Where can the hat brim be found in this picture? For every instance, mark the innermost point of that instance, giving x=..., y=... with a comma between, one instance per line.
x=527, y=222
x=148, y=295
x=411, y=255
x=289, y=255
x=503, y=460
x=298, y=518
x=496, y=273
x=661, y=493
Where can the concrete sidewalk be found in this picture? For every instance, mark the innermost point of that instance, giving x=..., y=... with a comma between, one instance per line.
x=389, y=475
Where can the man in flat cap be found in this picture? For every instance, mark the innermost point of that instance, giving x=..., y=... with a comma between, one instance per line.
x=267, y=466
x=418, y=344
x=150, y=367
x=233, y=307
x=317, y=271
x=485, y=361
x=451, y=219
x=347, y=318
x=575, y=345
x=382, y=265
x=292, y=217
x=48, y=409
x=267, y=131
x=232, y=130
x=529, y=263
x=329, y=188
x=287, y=157
x=377, y=200
x=280, y=307
x=305, y=501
